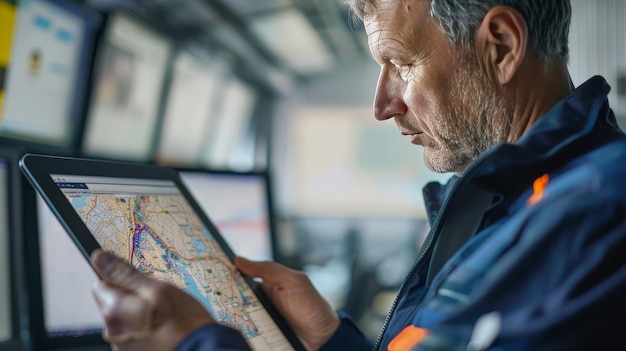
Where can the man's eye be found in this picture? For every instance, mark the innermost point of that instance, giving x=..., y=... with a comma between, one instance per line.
x=403, y=70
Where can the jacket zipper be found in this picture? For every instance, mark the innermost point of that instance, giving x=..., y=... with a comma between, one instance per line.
x=436, y=228
x=403, y=287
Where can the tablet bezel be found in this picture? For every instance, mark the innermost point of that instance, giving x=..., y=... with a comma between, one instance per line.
x=39, y=168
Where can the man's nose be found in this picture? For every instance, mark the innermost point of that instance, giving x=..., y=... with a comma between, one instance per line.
x=389, y=95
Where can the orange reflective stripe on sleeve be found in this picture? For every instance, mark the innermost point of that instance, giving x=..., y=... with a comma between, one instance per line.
x=539, y=185
x=408, y=338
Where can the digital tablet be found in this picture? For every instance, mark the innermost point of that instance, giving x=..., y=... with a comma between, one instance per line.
x=144, y=214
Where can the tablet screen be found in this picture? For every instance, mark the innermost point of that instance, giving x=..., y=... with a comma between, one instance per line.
x=151, y=224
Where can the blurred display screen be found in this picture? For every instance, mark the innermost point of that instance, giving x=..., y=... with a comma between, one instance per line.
x=66, y=279
x=232, y=121
x=342, y=163
x=189, y=112
x=131, y=66
x=5, y=277
x=44, y=70
x=7, y=23
x=238, y=206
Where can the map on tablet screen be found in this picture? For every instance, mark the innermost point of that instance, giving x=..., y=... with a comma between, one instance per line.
x=152, y=225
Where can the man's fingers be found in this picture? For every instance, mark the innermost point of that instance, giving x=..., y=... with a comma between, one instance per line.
x=270, y=272
x=250, y=268
x=115, y=271
x=126, y=314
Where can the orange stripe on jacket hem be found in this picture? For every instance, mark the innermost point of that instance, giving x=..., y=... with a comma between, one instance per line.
x=408, y=338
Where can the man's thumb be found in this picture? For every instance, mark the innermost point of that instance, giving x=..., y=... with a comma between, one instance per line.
x=115, y=271
x=269, y=272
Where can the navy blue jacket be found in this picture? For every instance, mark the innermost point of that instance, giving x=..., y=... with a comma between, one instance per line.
x=551, y=269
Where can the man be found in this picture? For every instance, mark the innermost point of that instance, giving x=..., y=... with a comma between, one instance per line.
x=527, y=245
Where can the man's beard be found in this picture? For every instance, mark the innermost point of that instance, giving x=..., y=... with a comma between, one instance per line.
x=476, y=117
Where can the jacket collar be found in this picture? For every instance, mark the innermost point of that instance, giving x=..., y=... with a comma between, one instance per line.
x=581, y=122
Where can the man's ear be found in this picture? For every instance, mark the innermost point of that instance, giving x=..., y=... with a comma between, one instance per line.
x=502, y=37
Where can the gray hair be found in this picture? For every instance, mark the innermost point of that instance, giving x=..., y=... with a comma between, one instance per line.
x=547, y=21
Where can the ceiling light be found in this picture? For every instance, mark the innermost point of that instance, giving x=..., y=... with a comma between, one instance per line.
x=292, y=38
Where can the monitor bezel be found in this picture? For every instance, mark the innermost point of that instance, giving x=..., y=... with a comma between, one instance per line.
x=11, y=154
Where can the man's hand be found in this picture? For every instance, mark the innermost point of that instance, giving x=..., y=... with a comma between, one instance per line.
x=142, y=313
x=308, y=314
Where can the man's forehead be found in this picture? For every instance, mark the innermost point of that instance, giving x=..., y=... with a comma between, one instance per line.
x=397, y=18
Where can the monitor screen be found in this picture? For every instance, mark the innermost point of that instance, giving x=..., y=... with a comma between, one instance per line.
x=5, y=277
x=228, y=136
x=69, y=308
x=348, y=167
x=239, y=206
x=46, y=73
x=7, y=24
x=61, y=309
x=130, y=69
x=190, y=107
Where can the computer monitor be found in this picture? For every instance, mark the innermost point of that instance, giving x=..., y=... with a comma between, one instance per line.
x=191, y=106
x=49, y=65
x=240, y=205
x=63, y=313
x=11, y=274
x=227, y=140
x=66, y=312
x=131, y=64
